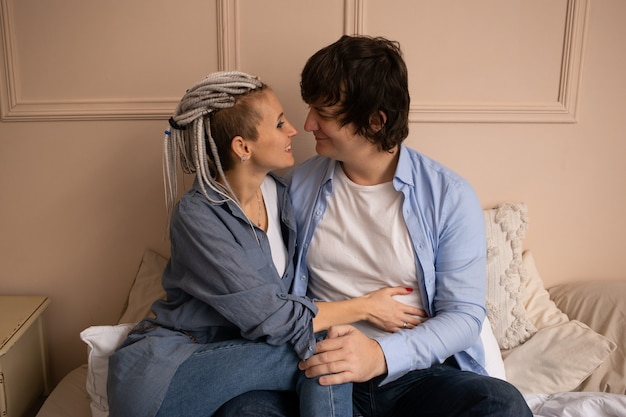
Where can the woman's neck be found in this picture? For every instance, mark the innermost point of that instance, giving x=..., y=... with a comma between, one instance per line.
x=247, y=190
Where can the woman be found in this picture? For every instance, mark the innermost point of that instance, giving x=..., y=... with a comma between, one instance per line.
x=229, y=324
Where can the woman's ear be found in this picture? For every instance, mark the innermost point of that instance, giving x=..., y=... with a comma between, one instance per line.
x=378, y=120
x=240, y=148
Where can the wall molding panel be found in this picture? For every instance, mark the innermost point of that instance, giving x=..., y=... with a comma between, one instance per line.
x=15, y=105
x=228, y=40
x=354, y=17
x=563, y=110
x=15, y=108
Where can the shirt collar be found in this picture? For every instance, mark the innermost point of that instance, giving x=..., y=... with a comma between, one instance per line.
x=404, y=171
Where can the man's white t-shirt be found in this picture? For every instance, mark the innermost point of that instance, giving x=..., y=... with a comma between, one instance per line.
x=362, y=245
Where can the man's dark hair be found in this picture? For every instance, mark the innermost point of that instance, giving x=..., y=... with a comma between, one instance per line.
x=363, y=76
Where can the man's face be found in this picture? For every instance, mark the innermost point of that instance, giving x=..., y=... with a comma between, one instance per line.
x=331, y=138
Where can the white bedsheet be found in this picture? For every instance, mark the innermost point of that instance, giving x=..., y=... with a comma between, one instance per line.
x=70, y=399
x=577, y=404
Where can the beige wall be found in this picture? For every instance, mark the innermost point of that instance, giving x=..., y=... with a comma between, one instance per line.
x=524, y=98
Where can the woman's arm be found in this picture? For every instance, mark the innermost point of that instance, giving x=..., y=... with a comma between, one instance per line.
x=378, y=308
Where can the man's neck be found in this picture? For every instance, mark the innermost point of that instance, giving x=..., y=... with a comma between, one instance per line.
x=377, y=167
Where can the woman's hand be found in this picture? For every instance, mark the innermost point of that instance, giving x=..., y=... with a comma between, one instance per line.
x=390, y=315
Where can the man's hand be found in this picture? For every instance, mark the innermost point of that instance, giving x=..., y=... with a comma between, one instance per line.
x=346, y=355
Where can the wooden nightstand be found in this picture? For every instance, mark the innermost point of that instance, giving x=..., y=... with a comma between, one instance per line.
x=23, y=357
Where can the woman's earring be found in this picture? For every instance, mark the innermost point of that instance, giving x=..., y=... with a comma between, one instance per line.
x=244, y=158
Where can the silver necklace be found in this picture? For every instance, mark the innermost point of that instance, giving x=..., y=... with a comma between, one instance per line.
x=258, y=200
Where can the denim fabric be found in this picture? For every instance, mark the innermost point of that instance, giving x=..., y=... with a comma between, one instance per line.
x=221, y=273
x=261, y=404
x=218, y=372
x=440, y=391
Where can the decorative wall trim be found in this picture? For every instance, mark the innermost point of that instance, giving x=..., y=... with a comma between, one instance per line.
x=228, y=45
x=14, y=107
x=561, y=111
x=354, y=16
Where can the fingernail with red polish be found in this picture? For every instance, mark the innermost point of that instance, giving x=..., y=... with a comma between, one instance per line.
x=409, y=289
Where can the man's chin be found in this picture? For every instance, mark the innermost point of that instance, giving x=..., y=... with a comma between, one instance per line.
x=322, y=150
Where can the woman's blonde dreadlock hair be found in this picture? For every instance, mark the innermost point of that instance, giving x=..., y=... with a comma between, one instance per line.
x=190, y=132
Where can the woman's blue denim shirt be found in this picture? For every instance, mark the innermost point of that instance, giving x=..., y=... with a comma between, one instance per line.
x=446, y=226
x=221, y=281
x=221, y=284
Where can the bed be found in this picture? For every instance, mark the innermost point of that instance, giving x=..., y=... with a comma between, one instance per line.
x=563, y=347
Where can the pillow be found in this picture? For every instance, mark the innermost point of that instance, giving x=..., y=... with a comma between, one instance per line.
x=102, y=341
x=565, y=363
x=602, y=306
x=557, y=358
x=540, y=309
x=493, y=358
x=146, y=288
x=505, y=227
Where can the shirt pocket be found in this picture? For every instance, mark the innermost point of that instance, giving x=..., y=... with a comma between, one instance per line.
x=256, y=257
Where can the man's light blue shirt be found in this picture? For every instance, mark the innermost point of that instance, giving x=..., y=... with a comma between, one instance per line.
x=446, y=226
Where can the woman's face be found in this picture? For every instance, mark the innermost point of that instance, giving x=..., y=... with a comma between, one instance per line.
x=272, y=149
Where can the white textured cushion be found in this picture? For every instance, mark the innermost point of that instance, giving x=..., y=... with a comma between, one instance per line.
x=505, y=227
x=102, y=341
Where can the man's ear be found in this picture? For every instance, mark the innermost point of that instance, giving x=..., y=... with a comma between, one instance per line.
x=240, y=148
x=378, y=120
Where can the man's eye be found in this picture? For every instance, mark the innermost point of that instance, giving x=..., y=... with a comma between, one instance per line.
x=280, y=124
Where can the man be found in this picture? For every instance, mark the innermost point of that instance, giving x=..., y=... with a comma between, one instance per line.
x=372, y=213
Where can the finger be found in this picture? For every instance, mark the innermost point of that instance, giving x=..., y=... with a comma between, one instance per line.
x=322, y=363
x=339, y=331
x=400, y=290
x=413, y=321
x=336, y=379
x=414, y=311
x=325, y=351
x=325, y=369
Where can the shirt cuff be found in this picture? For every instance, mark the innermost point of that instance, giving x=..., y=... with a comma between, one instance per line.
x=397, y=356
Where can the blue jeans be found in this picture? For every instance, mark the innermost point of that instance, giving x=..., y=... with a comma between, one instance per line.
x=439, y=391
x=218, y=372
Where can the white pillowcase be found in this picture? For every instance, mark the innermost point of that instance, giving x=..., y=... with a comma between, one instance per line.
x=494, y=365
x=102, y=341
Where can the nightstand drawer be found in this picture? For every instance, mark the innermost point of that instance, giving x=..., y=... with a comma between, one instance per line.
x=23, y=362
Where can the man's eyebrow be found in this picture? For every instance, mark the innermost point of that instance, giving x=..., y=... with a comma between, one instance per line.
x=323, y=109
